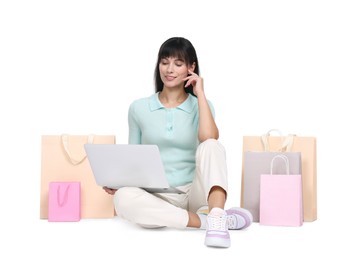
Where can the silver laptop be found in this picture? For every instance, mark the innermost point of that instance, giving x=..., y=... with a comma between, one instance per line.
x=128, y=165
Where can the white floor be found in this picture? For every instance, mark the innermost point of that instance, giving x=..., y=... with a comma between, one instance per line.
x=116, y=239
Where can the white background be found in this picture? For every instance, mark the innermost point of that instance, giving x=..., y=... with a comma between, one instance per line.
x=74, y=67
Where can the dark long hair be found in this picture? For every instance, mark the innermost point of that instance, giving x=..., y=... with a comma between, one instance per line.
x=176, y=47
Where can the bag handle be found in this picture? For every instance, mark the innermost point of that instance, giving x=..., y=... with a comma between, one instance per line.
x=65, y=144
x=286, y=142
x=285, y=159
x=65, y=196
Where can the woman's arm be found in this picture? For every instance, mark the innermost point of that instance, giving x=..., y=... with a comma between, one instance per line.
x=207, y=125
x=134, y=129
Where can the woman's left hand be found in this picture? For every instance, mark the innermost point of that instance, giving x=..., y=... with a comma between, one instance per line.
x=196, y=81
x=109, y=190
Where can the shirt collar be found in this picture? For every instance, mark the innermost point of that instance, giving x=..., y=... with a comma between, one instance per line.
x=187, y=106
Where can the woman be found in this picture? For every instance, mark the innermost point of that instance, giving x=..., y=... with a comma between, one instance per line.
x=180, y=120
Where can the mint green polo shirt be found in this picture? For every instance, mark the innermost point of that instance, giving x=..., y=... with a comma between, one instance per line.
x=173, y=130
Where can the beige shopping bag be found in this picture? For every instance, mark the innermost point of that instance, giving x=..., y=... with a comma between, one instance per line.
x=290, y=143
x=63, y=159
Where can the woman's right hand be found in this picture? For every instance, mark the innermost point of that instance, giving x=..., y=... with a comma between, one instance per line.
x=109, y=190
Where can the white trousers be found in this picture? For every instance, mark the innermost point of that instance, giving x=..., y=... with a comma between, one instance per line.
x=171, y=210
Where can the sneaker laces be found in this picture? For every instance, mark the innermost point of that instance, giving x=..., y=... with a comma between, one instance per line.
x=232, y=221
x=217, y=222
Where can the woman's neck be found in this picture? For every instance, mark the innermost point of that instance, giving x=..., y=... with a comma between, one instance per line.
x=172, y=98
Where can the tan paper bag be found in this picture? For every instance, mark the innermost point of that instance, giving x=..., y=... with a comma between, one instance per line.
x=291, y=143
x=63, y=159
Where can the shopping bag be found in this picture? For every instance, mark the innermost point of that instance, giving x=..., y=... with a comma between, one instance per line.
x=306, y=145
x=64, y=201
x=64, y=160
x=281, y=197
x=255, y=164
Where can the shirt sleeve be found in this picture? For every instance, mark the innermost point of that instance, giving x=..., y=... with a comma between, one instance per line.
x=134, y=128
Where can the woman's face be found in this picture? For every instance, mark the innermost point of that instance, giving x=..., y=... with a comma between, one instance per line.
x=173, y=71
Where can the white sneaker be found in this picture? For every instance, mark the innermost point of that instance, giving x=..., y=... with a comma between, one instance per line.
x=238, y=218
x=217, y=234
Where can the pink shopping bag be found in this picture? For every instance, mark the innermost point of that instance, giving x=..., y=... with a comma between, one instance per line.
x=281, y=197
x=64, y=201
x=257, y=163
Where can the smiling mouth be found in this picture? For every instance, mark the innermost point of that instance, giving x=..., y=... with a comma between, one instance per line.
x=170, y=78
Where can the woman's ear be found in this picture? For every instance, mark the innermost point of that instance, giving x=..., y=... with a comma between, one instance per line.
x=192, y=67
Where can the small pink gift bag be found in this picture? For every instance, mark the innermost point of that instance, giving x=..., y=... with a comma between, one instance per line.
x=281, y=197
x=64, y=201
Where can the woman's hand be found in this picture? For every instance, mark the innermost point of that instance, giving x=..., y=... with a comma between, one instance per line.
x=109, y=190
x=196, y=81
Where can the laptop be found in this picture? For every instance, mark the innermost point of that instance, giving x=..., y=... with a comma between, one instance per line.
x=128, y=165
